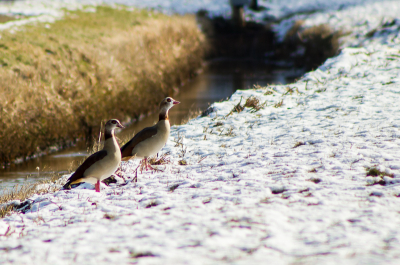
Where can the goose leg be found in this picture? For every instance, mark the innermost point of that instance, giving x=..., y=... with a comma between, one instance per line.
x=97, y=186
x=136, y=170
x=135, y=178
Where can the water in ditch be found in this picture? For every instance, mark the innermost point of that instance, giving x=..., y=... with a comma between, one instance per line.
x=219, y=80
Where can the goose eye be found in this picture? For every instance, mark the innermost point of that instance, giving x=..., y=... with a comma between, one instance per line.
x=114, y=122
x=169, y=100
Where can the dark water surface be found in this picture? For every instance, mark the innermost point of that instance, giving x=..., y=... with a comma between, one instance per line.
x=219, y=80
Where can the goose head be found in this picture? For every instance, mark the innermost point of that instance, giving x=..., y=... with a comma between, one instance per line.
x=112, y=124
x=167, y=103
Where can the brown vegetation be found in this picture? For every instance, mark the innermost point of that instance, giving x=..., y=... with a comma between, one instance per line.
x=253, y=103
x=5, y=18
x=22, y=192
x=378, y=176
x=225, y=39
x=238, y=107
x=309, y=47
x=59, y=83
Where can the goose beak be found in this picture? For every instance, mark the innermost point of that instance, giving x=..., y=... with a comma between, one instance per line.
x=176, y=102
x=119, y=125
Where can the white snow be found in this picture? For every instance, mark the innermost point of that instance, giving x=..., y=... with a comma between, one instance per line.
x=248, y=195
x=354, y=22
x=50, y=10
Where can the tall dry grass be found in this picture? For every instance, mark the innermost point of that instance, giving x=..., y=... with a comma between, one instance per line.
x=58, y=83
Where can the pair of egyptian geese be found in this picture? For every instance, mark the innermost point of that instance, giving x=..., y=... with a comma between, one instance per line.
x=145, y=143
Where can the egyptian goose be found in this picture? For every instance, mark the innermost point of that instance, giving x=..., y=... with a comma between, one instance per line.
x=101, y=164
x=150, y=140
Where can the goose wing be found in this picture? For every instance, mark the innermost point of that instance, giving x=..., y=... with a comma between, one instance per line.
x=80, y=171
x=146, y=133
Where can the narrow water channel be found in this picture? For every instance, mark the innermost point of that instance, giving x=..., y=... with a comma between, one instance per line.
x=219, y=80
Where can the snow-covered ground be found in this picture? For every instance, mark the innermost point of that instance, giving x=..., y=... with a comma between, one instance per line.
x=357, y=23
x=282, y=185
x=50, y=10
x=275, y=8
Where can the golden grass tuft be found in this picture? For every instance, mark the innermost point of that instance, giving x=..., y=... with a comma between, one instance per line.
x=251, y=102
x=254, y=103
x=182, y=162
x=237, y=108
x=59, y=83
x=298, y=144
x=279, y=104
x=164, y=159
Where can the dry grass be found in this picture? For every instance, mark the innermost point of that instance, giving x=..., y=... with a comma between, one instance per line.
x=279, y=104
x=136, y=255
x=5, y=18
x=289, y=90
x=182, y=162
x=23, y=192
x=378, y=176
x=251, y=102
x=238, y=108
x=58, y=83
x=298, y=144
x=109, y=216
x=318, y=42
x=269, y=91
x=173, y=187
x=163, y=160
x=315, y=180
x=374, y=172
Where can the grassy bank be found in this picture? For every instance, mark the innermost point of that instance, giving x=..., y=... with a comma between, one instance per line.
x=59, y=81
